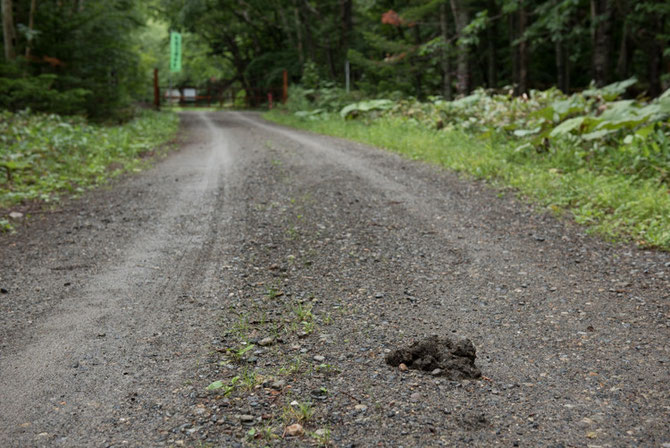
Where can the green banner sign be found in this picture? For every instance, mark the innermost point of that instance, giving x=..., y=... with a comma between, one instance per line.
x=175, y=52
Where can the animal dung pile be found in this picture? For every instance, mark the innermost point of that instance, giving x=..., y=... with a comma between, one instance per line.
x=443, y=356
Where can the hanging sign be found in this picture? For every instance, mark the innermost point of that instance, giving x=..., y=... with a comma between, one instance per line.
x=175, y=52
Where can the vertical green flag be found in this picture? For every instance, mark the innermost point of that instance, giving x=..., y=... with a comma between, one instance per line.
x=175, y=52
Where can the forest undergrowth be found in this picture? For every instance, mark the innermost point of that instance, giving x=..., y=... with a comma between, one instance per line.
x=603, y=160
x=43, y=156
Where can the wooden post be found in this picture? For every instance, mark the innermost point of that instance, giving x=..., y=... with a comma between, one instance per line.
x=157, y=93
x=285, y=90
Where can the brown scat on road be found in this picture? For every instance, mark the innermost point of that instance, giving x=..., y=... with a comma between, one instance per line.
x=327, y=255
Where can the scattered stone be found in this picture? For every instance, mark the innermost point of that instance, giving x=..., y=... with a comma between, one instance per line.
x=319, y=358
x=402, y=366
x=415, y=397
x=278, y=385
x=247, y=420
x=294, y=404
x=455, y=358
x=436, y=372
x=319, y=394
x=361, y=408
x=294, y=430
x=16, y=215
x=321, y=432
x=266, y=341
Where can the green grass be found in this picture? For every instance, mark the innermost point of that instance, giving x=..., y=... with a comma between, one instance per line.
x=613, y=205
x=43, y=156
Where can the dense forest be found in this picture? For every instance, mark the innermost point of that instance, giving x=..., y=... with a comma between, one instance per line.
x=94, y=56
x=429, y=47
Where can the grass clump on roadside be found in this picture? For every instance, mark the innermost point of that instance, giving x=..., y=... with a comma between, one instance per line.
x=606, y=161
x=42, y=156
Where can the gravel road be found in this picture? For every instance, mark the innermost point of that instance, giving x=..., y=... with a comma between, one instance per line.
x=281, y=268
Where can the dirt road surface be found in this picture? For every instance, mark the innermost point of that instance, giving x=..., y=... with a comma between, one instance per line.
x=286, y=266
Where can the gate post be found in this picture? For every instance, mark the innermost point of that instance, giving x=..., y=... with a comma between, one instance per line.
x=285, y=89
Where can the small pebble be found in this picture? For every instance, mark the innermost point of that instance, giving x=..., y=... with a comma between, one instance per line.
x=294, y=430
x=278, y=385
x=361, y=408
x=266, y=341
x=247, y=419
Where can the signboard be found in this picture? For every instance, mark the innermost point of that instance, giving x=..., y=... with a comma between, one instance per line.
x=175, y=52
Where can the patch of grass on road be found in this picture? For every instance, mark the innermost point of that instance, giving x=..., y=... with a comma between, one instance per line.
x=617, y=206
x=43, y=155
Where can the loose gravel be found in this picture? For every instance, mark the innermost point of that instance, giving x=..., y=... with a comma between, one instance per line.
x=249, y=290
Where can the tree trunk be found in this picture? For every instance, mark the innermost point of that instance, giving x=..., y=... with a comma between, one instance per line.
x=287, y=28
x=8, y=30
x=461, y=17
x=560, y=66
x=445, y=57
x=655, y=61
x=418, y=78
x=347, y=24
x=331, y=59
x=523, y=49
x=31, y=25
x=298, y=27
x=491, y=56
x=601, y=34
x=625, y=53
x=309, y=42
x=514, y=50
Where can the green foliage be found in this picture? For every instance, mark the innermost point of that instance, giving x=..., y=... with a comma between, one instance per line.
x=38, y=93
x=228, y=388
x=80, y=57
x=310, y=75
x=45, y=155
x=355, y=109
x=314, y=102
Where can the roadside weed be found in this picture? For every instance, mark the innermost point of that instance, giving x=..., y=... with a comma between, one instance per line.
x=226, y=389
x=302, y=412
x=292, y=367
x=322, y=437
x=236, y=354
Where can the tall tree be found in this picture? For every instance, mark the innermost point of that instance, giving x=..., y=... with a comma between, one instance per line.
x=445, y=56
x=491, y=49
x=462, y=19
x=31, y=26
x=522, y=48
x=601, y=23
x=8, y=30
